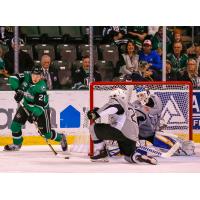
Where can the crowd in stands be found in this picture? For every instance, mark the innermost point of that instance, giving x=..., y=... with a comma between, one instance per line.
x=121, y=53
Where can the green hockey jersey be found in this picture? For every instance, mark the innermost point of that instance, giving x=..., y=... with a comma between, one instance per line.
x=35, y=95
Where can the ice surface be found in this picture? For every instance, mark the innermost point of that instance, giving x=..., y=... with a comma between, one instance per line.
x=41, y=159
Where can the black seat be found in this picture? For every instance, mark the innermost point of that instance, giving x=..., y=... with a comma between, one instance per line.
x=27, y=48
x=67, y=52
x=36, y=62
x=109, y=53
x=31, y=32
x=106, y=69
x=71, y=33
x=52, y=32
x=77, y=64
x=64, y=74
x=83, y=50
x=45, y=49
x=4, y=85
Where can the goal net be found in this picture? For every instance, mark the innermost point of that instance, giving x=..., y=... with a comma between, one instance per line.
x=176, y=98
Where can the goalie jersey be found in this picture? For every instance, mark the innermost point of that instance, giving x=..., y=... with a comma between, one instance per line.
x=122, y=117
x=148, y=115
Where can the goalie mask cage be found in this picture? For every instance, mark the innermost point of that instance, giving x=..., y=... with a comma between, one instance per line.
x=175, y=96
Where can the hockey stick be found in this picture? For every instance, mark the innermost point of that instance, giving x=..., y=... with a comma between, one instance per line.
x=166, y=134
x=35, y=123
x=161, y=154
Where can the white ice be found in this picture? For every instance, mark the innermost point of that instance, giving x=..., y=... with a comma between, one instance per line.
x=41, y=159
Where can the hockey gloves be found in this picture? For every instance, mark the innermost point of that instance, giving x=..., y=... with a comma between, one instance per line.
x=93, y=115
x=19, y=95
x=32, y=118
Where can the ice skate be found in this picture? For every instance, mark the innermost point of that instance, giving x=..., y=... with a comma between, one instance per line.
x=100, y=156
x=12, y=147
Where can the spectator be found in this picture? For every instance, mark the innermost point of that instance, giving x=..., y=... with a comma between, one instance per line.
x=143, y=73
x=177, y=37
x=25, y=61
x=113, y=33
x=80, y=75
x=152, y=58
x=191, y=73
x=3, y=72
x=128, y=62
x=194, y=52
x=138, y=34
x=177, y=58
x=152, y=31
x=6, y=34
x=157, y=41
x=197, y=57
x=50, y=73
x=170, y=75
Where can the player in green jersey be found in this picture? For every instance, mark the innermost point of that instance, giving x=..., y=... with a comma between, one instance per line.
x=32, y=89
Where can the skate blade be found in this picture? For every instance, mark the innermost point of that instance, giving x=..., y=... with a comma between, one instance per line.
x=11, y=150
x=100, y=160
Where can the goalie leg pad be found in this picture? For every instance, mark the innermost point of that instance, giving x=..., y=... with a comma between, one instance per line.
x=163, y=142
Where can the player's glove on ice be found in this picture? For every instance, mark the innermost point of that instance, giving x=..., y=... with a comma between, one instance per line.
x=92, y=115
x=32, y=118
x=19, y=95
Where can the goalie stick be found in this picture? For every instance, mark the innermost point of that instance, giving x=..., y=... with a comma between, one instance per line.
x=161, y=154
x=52, y=149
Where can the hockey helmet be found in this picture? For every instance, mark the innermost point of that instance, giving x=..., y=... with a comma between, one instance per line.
x=142, y=94
x=36, y=70
x=118, y=94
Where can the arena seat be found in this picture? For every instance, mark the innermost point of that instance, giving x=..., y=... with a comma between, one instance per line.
x=46, y=49
x=27, y=48
x=83, y=50
x=67, y=52
x=52, y=32
x=31, y=32
x=109, y=53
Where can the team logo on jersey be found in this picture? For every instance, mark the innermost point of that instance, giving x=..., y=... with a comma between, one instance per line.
x=173, y=114
x=43, y=88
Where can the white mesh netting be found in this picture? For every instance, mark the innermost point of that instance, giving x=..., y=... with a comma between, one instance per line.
x=174, y=97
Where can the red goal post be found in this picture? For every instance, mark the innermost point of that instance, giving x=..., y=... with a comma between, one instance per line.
x=176, y=98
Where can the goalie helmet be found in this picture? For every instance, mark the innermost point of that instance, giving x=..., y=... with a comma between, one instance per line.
x=118, y=94
x=142, y=94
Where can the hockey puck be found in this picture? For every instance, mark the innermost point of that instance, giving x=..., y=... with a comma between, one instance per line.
x=66, y=157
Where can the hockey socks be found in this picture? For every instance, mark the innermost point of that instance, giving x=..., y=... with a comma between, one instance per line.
x=53, y=135
x=17, y=138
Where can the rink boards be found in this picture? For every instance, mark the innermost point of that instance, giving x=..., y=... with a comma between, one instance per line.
x=68, y=115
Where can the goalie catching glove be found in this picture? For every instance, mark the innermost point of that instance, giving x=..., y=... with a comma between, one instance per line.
x=92, y=114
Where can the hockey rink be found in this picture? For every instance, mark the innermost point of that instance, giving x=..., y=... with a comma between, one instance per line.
x=41, y=159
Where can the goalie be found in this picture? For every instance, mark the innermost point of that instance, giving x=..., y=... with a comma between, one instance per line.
x=31, y=88
x=148, y=108
x=122, y=127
